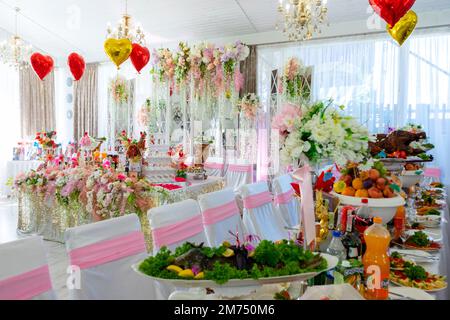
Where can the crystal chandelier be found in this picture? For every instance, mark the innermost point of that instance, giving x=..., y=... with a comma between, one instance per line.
x=302, y=18
x=15, y=52
x=126, y=29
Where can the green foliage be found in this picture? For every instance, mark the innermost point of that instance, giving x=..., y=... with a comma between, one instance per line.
x=420, y=238
x=433, y=212
x=415, y=272
x=214, y=252
x=185, y=247
x=270, y=260
x=380, y=167
x=222, y=273
x=267, y=254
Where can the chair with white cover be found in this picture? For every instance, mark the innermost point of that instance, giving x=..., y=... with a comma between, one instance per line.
x=177, y=223
x=284, y=199
x=238, y=173
x=215, y=167
x=260, y=218
x=101, y=257
x=24, y=272
x=220, y=216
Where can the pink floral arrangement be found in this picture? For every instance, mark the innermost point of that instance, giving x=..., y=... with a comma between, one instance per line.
x=249, y=105
x=168, y=186
x=104, y=193
x=285, y=120
x=86, y=141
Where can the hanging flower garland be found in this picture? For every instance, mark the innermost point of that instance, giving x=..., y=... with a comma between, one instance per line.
x=119, y=90
x=182, y=64
x=294, y=83
x=144, y=113
x=249, y=105
x=207, y=67
x=163, y=65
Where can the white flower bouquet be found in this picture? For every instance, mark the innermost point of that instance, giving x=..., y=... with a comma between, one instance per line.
x=321, y=132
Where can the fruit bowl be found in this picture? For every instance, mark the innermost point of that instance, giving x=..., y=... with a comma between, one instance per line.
x=411, y=178
x=384, y=208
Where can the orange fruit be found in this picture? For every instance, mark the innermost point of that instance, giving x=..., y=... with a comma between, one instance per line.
x=374, y=174
x=364, y=175
x=362, y=193
x=357, y=184
x=349, y=191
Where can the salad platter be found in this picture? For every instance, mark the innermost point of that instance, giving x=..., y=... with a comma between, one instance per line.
x=407, y=274
x=229, y=266
x=419, y=240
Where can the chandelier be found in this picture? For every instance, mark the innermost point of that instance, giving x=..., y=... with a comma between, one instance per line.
x=126, y=29
x=15, y=52
x=302, y=18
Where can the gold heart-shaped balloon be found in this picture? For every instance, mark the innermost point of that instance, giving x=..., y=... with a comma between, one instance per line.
x=404, y=28
x=118, y=50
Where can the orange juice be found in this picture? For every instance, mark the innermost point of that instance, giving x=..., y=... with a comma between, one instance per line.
x=399, y=222
x=376, y=261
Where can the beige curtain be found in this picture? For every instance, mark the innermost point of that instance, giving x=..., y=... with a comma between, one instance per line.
x=37, y=103
x=85, y=103
x=248, y=69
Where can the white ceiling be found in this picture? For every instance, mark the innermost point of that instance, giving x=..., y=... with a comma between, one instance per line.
x=59, y=27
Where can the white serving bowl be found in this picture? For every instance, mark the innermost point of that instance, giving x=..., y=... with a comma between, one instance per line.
x=411, y=178
x=384, y=208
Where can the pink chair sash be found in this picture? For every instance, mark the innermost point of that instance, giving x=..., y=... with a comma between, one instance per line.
x=217, y=214
x=284, y=198
x=108, y=250
x=240, y=168
x=178, y=231
x=432, y=172
x=213, y=165
x=26, y=285
x=257, y=200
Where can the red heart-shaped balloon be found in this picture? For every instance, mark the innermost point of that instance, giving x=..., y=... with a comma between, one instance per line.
x=140, y=56
x=77, y=65
x=391, y=10
x=41, y=64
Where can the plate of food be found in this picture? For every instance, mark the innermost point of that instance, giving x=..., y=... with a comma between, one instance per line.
x=419, y=240
x=398, y=262
x=412, y=256
x=415, y=276
x=428, y=221
x=234, y=266
x=415, y=226
x=408, y=293
x=428, y=211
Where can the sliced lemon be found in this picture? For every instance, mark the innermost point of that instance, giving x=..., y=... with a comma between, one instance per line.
x=174, y=268
x=228, y=253
x=188, y=273
x=199, y=276
x=226, y=244
x=339, y=186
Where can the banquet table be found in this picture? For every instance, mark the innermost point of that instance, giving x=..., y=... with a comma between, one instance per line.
x=13, y=168
x=50, y=220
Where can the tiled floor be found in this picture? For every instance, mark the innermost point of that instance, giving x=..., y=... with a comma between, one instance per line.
x=56, y=253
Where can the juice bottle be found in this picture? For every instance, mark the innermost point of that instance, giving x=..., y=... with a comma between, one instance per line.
x=399, y=222
x=376, y=261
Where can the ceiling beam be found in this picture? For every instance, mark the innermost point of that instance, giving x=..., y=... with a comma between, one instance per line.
x=246, y=16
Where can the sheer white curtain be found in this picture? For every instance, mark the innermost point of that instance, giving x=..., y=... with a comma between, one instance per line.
x=9, y=119
x=380, y=83
x=428, y=93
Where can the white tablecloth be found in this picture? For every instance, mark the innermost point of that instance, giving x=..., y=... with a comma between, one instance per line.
x=13, y=168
